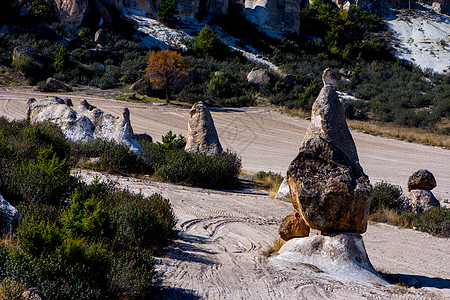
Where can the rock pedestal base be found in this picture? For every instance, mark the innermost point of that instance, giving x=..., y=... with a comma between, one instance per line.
x=341, y=255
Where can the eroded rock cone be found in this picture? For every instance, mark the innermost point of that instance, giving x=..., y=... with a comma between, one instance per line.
x=84, y=122
x=421, y=179
x=328, y=119
x=330, y=191
x=202, y=135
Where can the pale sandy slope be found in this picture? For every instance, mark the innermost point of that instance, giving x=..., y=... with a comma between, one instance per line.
x=217, y=254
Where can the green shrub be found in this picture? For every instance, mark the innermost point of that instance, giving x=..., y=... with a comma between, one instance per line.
x=170, y=142
x=386, y=195
x=30, y=68
x=61, y=59
x=228, y=90
x=208, y=41
x=435, y=221
x=145, y=222
x=197, y=169
x=167, y=11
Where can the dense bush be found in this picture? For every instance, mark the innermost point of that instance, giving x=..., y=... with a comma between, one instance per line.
x=386, y=195
x=435, y=221
x=74, y=241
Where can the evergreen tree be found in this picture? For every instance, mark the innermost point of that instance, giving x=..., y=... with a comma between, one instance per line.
x=61, y=59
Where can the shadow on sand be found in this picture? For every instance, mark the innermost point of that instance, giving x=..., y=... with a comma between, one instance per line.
x=418, y=281
x=184, y=249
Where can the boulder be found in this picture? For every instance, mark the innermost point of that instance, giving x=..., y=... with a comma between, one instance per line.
x=84, y=122
x=328, y=189
x=328, y=119
x=57, y=85
x=341, y=255
x=422, y=200
x=258, y=76
x=202, y=135
x=9, y=217
x=421, y=179
x=23, y=50
x=100, y=37
x=33, y=293
x=273, y=17
x=293, y=225
x=72, y=12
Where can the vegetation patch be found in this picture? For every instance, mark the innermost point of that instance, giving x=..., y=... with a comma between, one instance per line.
x=74, y=241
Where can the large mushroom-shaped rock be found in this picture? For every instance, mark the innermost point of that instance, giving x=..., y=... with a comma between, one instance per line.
x=328, y=119
x=258, y=76
x=329, y=190
x=422, y=200
x=293, y=225
x=9, y=217
x=342, y=255
x=202, y=135
x=84, y=122
x=421, y=179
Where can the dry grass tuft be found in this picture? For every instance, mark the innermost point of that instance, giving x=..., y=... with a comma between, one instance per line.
x=271, y=250
x=385, y=215
x=404, y=133
x=269, y=181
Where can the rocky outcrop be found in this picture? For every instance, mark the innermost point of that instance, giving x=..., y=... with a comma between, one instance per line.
x=84, y=122
x=9, y=217
x=422, y=200
x=258, y=76
x=341, y=255
x=293, y=225
x=328, y=119
x=202, y=135
x=421, y=179
x=330, y=191
x=274, y=17
x=100, y=37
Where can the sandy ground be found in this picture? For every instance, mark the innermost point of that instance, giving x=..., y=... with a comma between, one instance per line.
x=218, y=251
x=217, y=254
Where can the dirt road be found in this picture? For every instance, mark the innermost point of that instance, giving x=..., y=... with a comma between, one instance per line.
x=265, y=139
x=217, y=254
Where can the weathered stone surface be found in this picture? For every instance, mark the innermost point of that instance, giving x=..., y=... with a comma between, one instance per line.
x=328, y=119
x=283, y=190
x=329, y=190
x=137, y=85
x=273, y=17
x=9, y=217
x=341, y=255
x=422, y=200
x=84, y=122
x=258, y=76
x=421, y=179
x=56, y=84
x=293, y=225
x=202, y=135
x=100, y=37
x=23, y=50
x=72, y=12
x=33, y=293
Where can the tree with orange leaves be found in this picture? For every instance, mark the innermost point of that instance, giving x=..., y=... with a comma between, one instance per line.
x=165, y=69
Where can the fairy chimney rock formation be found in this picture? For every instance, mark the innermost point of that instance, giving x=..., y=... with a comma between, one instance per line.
x=420, y=197
x=202, y=135
x=328, y=119
x=327, y=184
x=84, y=122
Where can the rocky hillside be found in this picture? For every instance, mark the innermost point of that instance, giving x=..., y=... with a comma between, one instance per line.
x=275, y=18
